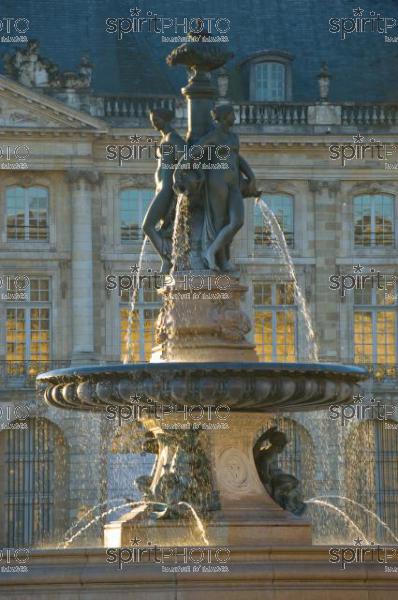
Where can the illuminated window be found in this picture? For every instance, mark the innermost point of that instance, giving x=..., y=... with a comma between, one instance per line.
x=282, y=205
x=27, y=213
x=373, y=480
x=374, y=220
x=143, y=320
x=34, y=472
x=133, y=206
x=269, y=81
x=275, y=321
x=375, y=326
x=28, y=329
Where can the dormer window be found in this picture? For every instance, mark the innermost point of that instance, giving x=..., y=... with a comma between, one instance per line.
x=269, y=74
x=269, y=81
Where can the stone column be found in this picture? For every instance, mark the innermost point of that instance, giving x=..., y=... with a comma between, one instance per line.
x=326, y=248
x=81, y=188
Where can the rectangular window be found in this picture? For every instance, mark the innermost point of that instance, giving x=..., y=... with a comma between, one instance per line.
x=269, y=80
x=374, y=220
x=133, y=206
x=27, y=214
x=143, y=321
x=282, y=205
x=375, y=327
x=28, y=330
x=275, y=321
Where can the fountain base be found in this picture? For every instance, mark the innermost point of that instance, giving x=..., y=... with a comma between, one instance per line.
x=202, y=321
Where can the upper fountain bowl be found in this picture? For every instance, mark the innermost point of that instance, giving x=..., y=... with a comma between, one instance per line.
x=245, y=387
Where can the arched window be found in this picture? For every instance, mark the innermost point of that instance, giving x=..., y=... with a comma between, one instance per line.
x=33, y=478
x=371, y=476
x=27, y=213
x=282, y=205
x=133, y=204
x=374, y=220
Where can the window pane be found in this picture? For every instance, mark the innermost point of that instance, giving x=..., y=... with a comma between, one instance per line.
x=385, y=335
x=133, y=206
x=282, y=205
x=285, y=336
x=15, y=202
x=374, y=220
x=263, y=334
x=27, y=213
x=37, y=200
x=269, y=81
x=274, y=326
x=363, y=350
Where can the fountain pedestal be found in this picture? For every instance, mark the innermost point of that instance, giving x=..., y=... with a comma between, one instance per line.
x=202, y=320
x=247, y=515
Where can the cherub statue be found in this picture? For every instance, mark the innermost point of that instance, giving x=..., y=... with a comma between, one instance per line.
x=162, y=205
x=229, y=180
x=282, y=487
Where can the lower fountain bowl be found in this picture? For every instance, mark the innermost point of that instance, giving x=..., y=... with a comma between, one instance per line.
x=242, y=387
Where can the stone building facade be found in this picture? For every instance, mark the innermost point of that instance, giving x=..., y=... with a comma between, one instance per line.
x=70, y=217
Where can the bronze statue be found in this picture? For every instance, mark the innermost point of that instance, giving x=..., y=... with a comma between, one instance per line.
x=224, y=210
x=163, y=204
x=282, y=487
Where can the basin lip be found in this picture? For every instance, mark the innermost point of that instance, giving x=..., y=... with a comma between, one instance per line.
x=354, y=372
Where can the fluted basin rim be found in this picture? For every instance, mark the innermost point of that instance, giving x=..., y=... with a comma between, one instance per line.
x=244, y=387
x=70, y=374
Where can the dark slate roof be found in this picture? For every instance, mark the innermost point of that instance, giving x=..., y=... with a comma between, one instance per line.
x=364, y=67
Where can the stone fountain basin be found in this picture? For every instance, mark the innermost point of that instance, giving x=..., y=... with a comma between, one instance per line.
x=243, y=387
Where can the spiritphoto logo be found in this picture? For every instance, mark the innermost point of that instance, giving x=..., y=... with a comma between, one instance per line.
x=364, y=408
x=149, y=149
x=191, y=416
x=14, y=157
x=180, y=26
x=359, y=554
x=14, y=416
x=186, y=559
x=358, y=281
x=187, y=282
x=14, y=29
x=13, y=560
x=14, y=288
x=363, y=149
x=360, y=22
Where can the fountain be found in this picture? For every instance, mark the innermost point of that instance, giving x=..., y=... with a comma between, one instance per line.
x=220, y=473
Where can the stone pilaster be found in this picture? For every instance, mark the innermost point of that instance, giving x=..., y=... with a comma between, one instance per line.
x=81, y=190
x=326, y=243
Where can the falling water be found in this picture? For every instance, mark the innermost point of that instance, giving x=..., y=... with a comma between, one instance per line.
x=129, y=356
x=91, y=510
x=272, y=221
x=198, y=522
x=342, y=513
x=367, y=510
x=95, y=520
x=180, y=241
x=179, y=260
